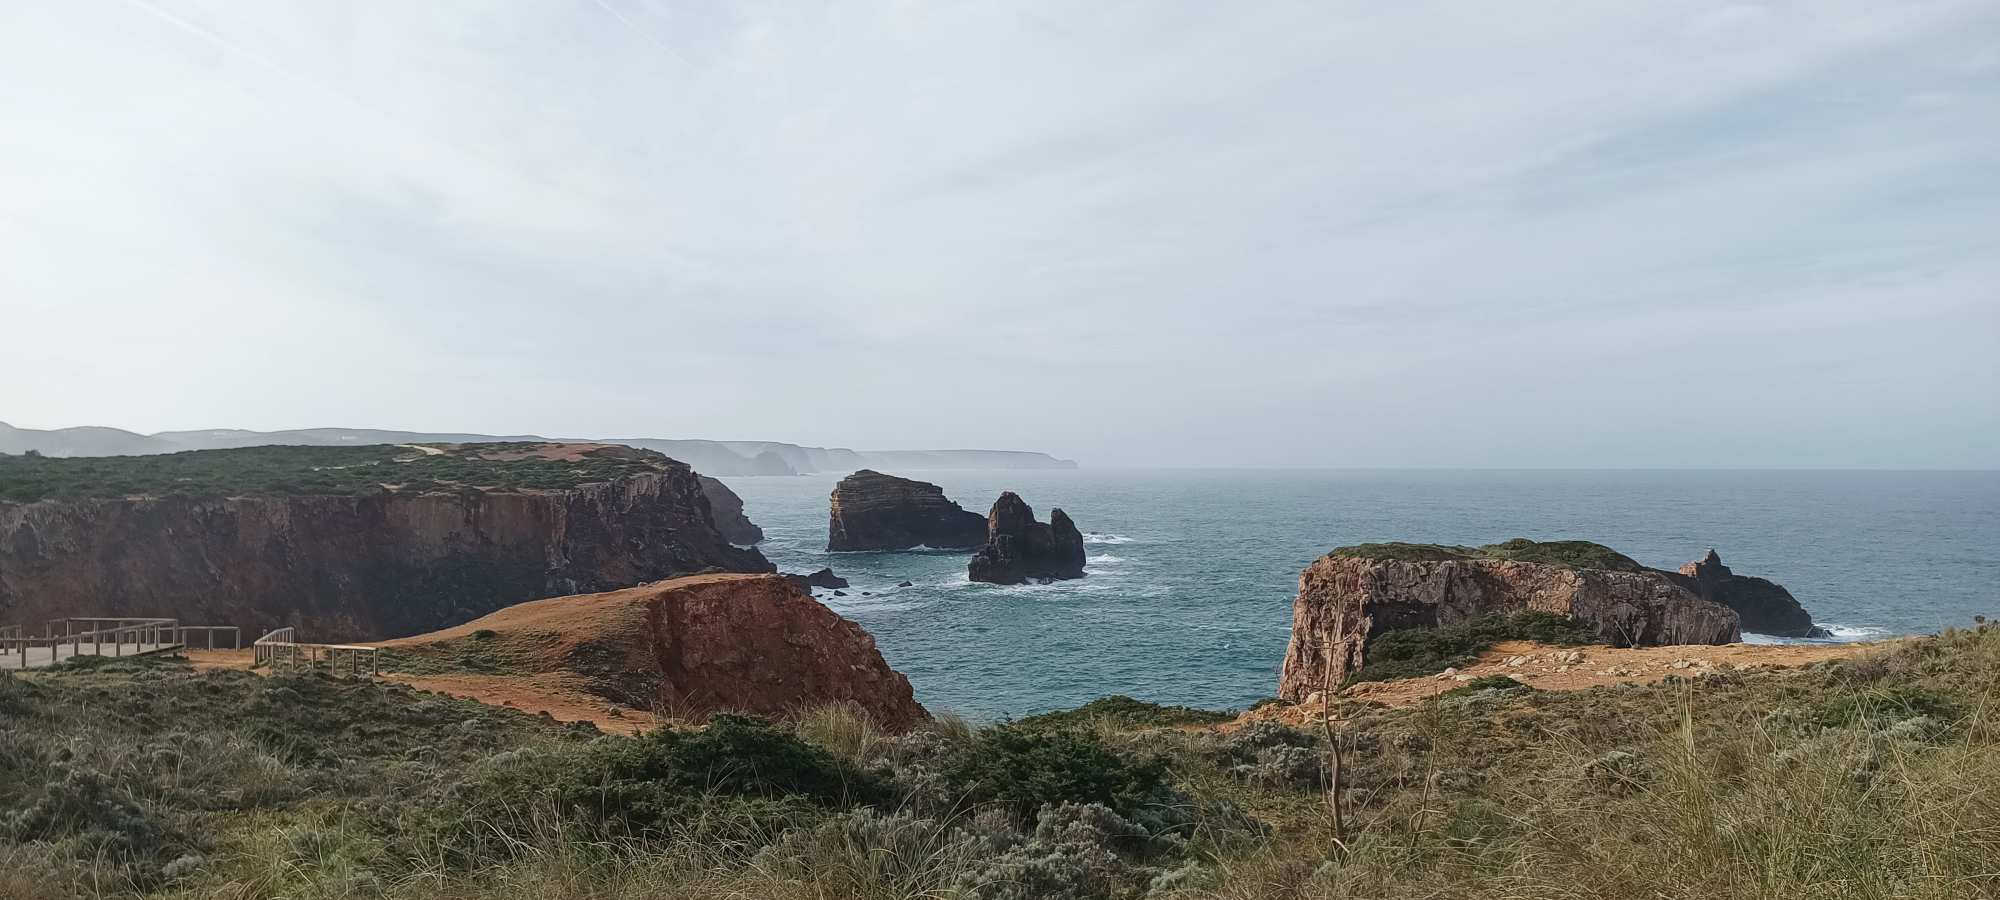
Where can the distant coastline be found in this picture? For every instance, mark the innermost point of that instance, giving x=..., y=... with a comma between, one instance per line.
x=706, y=456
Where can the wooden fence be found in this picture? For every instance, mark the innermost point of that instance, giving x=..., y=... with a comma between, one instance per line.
x=281, y=648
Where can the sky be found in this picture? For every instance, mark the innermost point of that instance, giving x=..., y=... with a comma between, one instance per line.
x=1533, y=234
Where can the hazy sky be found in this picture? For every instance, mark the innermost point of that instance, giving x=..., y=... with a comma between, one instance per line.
x=1315, y=233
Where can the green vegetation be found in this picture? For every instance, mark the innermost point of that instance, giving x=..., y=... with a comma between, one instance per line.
x=478, y=656
x=1488, y=683
x=1877, y=777
x=284, y=471
x=1120, y=711
x=1416, y=652
x=1575, y=554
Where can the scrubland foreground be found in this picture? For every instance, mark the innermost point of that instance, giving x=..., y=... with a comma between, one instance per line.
x=1870, y=777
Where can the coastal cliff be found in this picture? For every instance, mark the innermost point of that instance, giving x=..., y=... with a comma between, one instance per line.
x=375, y=546
x=696, y=645
x=727, y=510
x=1765, y=606
x=1355, y=594
x=873, y=511
x=1019, y=549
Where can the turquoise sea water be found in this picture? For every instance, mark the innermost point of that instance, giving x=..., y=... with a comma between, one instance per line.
x=1192, y=573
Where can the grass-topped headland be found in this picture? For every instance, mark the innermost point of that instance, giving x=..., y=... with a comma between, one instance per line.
x=1874, y=777
x=284, y=471
x=1574, y=554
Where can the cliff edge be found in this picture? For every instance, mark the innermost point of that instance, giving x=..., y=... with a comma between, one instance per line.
x=346, y=543
x=1355, y=594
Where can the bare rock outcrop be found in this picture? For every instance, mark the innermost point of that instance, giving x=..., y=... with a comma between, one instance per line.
x=1019, y=549
x=824, y=578
x=369, y=565
x=697, y=645
x=727, y=510
x=1765, y=606
x=1353, y=595
x=873, y=511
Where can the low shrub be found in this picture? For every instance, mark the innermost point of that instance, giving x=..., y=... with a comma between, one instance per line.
x=1121, y=711
x=1416, y=652
x=1026, y=769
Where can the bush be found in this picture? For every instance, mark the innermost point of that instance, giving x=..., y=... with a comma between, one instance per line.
x=1121, y=711
x=1416, y=652
x=740, y=776
x=1027, y=769
x=86, y=804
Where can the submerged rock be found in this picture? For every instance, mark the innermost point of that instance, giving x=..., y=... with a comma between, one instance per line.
x=1355, y=594
x=1765, y=606
x=1019, y=549
x=727, y=509
x=873, y=511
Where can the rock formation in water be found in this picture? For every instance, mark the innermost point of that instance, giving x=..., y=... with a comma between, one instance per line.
x=727, y=510
x=1355, y=594
x=824, y=578
x=378, y=562
x=697, y=645
x=1764, y=606
x=1019, y=549
x=873, y=511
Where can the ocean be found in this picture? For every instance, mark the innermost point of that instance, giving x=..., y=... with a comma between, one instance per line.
x=1192, y=572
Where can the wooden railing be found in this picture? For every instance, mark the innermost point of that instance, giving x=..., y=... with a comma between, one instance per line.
x=90, y=636
x=281, y=648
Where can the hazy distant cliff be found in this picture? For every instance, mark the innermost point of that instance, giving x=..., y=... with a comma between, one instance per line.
x=345, y=557
x=707, y=457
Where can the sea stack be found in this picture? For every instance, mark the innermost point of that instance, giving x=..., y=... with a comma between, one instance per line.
x=1019, y=549
x=1765, y=606
x=873, y=511
x=1353, y=595
x=727, y=509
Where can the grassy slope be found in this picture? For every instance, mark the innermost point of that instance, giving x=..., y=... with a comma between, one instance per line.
x=1878, y=777
x=309, y=470
x=1575, y=554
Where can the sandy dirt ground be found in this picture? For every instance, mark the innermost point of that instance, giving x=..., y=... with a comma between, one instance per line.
x=1576, y=668
x=544, y=693
x=536, y=694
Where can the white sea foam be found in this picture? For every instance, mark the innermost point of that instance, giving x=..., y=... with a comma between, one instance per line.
x=1095, y=538
x=1103, y=558
x=1840, y=634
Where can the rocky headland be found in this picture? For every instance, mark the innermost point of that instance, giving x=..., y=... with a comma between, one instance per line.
x=873, y=511
x=347, y=543
x=1354, y=595
x=1019, y=549
x=691, y=646
x=1765, y=606
x=727, y=510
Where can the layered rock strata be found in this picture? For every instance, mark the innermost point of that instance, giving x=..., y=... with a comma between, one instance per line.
x=1346, y=601
x=873, y=511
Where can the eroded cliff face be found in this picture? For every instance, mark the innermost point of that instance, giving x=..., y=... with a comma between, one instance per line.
x=873, y=511
x=698, y=645
x=375, y=566
x=727, y=509
x=1343, y=602
x=1764, y=605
